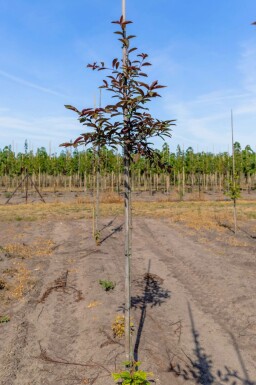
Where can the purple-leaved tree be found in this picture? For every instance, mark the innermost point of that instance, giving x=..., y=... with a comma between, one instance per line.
x=126, y=123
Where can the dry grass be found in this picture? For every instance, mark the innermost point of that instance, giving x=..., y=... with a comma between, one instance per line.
x=195, y=215
x=22, y=282
x=51, y=211
x=112, y=197
x=19, y=280
x=109, y=197
x=39, y=248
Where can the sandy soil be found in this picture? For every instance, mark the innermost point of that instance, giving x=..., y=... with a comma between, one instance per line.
x=194, y=304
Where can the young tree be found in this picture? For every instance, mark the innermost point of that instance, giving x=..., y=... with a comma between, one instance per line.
x=234, y=187
x=128, y=124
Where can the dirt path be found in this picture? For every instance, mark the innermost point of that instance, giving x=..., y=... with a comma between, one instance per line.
x=194, y=309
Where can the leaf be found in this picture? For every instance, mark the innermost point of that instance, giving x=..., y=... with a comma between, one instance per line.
x=153, y=84
x=132, y=49
x=144, y=85
x=66, y=144
x=146, y=64
x=140, y=91
x=72, y=108
x=114, y=62
x=158, y=86
x=105, y=82
x=78, y=139
x=143, y=55
x=116, y=376
x=124, y=23
x=125, y=42
x=85, y=111
x=115, y=22
x=93, y=66
x=143, y=74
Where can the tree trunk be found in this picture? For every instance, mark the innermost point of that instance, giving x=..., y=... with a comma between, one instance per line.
x=97, y=195
x=128, y=252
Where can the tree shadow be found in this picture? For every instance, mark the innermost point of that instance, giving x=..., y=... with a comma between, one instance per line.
x=152, y=295
x=117, y=229
x=110, y=223
x=200, y=370
x=226, y=226
x=248, y=234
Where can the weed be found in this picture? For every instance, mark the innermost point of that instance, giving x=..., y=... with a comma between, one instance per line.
x=4, y=319
x=118, y=326
x=2, y=284
x=133, y=376
x=107, y=285
x=7, y=194
x=97, y=237
x=10, y=272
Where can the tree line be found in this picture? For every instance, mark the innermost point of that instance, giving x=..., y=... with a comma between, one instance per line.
x=185, y=168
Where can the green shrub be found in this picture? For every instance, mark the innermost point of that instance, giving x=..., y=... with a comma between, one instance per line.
x=132, y=376
x=107, y=285
x=4, y=319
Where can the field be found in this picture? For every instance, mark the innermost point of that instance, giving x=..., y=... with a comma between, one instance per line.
x=193, y=290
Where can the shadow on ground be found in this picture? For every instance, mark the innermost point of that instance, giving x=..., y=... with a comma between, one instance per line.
x=152, y=294
x=117, y=229
x=200, y=369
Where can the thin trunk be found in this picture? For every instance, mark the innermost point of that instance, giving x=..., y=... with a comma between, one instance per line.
x=26, y=186
x=233, y=173
x=127, y=230
x=97, y=194
x=127, y=224
x=235, y=215
x=183, y=181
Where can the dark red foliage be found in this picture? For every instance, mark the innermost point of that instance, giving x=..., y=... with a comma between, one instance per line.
x=127, y=122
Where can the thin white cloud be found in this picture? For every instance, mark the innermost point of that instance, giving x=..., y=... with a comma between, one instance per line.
x=247, y=66
x=29, y=84
x=220, y=96
x=48, y=124
x=206, y=121
x=38, y=131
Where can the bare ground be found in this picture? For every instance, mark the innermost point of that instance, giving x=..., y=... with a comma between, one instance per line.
x=193, y=297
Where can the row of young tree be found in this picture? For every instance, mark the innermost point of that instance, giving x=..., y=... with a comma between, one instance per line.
x=182, y=167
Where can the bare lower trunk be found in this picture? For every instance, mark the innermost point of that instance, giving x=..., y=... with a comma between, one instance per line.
x=128, y=231
x=235, y=216
x=97, y=206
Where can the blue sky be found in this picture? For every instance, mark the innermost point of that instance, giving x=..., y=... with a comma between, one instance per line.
x=203, y=51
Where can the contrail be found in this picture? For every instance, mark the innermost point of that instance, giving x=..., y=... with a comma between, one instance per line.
x=29, y=84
